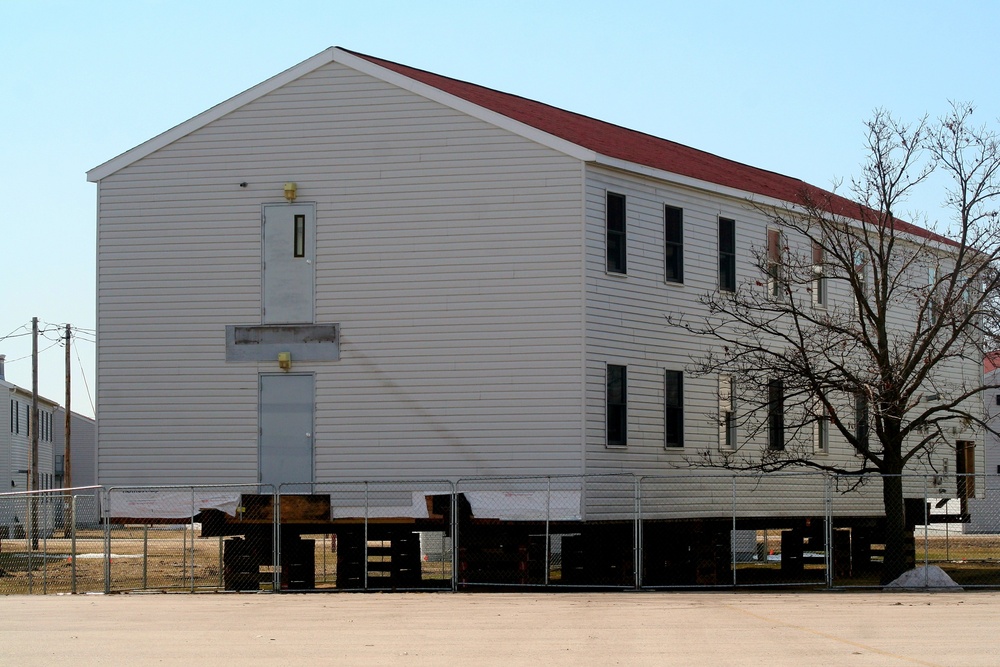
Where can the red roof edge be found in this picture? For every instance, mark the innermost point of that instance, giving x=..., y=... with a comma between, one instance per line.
x=644, y=149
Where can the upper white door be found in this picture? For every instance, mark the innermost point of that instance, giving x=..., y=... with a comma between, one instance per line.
x=289, y=249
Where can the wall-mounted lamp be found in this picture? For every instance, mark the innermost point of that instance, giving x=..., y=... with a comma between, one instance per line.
x=290, y=190
x=285, y=360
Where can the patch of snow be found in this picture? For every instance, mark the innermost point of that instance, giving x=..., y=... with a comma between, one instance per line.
x=923, y=578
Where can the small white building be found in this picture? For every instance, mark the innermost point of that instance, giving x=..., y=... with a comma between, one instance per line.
x=15, y=449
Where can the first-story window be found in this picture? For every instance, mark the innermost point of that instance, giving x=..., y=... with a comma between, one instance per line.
x=861, y=420
x=727, y=413
x=674, y=416
x=617, y=406
x=776, y=415
x=821, y=435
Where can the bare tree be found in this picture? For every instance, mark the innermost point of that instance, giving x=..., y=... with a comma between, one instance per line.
x=865, y=325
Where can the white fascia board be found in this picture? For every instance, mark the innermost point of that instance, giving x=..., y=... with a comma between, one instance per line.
x=206, y=117
x=460, y=104
x=745, y=195
x=696, y=183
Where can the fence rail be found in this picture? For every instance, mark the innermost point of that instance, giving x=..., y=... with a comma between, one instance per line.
x=698, y=529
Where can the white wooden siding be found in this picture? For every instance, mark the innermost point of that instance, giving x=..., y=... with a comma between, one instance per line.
x=626, y=325
x=448, y=251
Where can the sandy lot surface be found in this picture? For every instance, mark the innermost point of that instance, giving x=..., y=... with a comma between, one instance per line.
x=503, y=629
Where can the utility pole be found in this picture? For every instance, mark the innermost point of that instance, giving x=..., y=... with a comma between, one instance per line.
x=67, y=452
x=33, y=425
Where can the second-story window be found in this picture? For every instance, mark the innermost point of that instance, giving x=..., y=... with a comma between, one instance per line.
x=819, y=275
x=673, y=250
x=615, y=223
x=775, y=268
x=727, y=255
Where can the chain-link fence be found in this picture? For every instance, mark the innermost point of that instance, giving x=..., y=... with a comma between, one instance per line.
x=689, y=529
x=51, y=541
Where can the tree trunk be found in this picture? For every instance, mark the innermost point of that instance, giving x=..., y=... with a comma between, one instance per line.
x=898, y=557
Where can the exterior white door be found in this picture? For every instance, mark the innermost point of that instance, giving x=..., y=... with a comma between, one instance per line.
x=288, y=240
x=285, y=453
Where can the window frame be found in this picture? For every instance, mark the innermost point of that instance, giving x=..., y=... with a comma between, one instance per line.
x=775, y=415
x=620, y=412
x=820, y=286
x=727, y=257
x=673, y=239
x=727, y=413
x=616, y=239
x=673, y=409
x=775, y=263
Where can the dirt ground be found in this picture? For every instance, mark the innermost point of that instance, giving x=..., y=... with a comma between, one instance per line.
x=503, y=629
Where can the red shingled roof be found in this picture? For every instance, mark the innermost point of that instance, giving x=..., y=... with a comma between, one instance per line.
x=644, y=149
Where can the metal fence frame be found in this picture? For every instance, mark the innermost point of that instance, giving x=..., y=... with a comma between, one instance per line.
x=545, y=503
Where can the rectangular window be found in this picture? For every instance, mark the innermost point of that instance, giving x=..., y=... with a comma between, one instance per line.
x=615, y=220
x=776, y=415
x=861, y=420
x=821, y=434
x=727, y=413
x=819, y=275
x=673, y=251
x=617, y=400
x=727, y=255
x=299, y=244
x=861, y=271
x=775, y=287
x=674, y=417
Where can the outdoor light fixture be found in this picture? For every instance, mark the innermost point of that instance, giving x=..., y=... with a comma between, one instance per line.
x=290, y=189
x=285, y=360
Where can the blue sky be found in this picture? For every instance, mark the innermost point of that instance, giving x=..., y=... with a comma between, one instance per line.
x=781, y=85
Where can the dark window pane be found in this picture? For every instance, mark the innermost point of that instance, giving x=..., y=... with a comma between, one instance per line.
x=776, y=414
x=616, y=232
x=300, y=236
x=674, y=416
x=727, y=255
x=673, y=233
x=617, y=406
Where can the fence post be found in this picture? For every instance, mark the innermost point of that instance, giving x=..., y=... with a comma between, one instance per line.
x=454, y=537
x=365, y=551
x=72, y=545
x=732, y=534
x=276, y=539
x=828, y=527
x=106, y=516
x=548, y=513
x=192, y=538
x=926, y=537
x=145, y=556
x=637, y=529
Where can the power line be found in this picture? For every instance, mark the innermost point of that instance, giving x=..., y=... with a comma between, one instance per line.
x=86, y=385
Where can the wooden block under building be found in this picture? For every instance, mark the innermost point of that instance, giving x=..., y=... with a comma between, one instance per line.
x=294, y=508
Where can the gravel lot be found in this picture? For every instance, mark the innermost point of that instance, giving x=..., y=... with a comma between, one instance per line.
x=503, y=629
